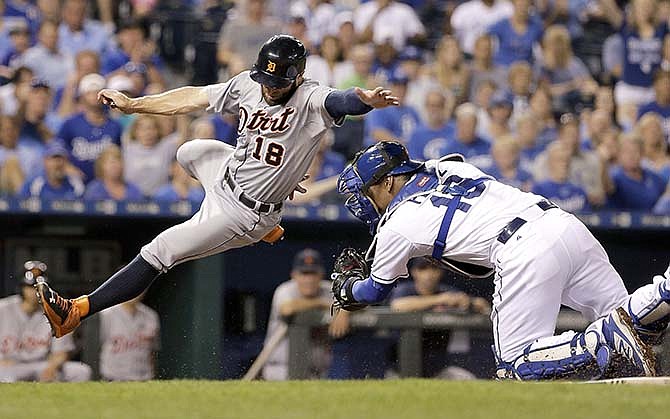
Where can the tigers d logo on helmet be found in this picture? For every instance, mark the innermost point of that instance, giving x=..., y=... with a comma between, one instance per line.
x=271, y=67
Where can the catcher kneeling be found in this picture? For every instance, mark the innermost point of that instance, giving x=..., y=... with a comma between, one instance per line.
x=539, y=255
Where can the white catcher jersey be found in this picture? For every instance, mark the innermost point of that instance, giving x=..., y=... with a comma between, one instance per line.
x=410, y=228
x=275, y=144
x=128, y=341
x=27, y=337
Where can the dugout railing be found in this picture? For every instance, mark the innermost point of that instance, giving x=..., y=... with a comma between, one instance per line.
x=409, y=326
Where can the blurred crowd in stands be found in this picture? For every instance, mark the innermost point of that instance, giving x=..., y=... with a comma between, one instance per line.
x=569, y=99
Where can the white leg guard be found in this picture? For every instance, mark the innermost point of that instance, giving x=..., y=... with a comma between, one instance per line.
x=570, y=354
x=649, y=308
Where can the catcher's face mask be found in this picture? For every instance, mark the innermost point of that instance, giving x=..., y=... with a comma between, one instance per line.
x=370, y=166
x=358, y=204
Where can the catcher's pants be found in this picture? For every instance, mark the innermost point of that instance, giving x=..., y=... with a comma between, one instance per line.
x=551, y=260
x=222, y=223
x=30, y=371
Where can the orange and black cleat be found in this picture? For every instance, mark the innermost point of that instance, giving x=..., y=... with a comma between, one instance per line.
x=63, y=314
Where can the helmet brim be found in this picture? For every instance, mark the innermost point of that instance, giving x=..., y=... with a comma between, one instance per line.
x=410, y=166
x=269, y=79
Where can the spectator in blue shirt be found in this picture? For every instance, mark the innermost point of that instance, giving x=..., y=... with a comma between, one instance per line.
x=429, y=139
x=661, y=103
x=224, y=128
x=505, y=168
x=55, y=183
x=499, y=112
x=109, y=183
x=19, y=35
x=182, y=187
x=541, y=107
x=516, y=35
x=25, y=10
x=46, y=60
x=654, y=147
x=77, y=33
x=37, y=122
x=132, y=48
x=630, y=186
x=527, y=135
x=662, y=207
x=395, y=122
x=586, y=168
x=465, y=140
x=556, y=187
x=88, y=133
x=643, y=36
x=386, y=62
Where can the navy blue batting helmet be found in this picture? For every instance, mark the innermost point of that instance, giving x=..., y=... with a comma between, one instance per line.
x=372, y=165
x=279, y=62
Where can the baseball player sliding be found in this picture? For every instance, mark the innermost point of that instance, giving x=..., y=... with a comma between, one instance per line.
x=451, y=212
x=282, y=117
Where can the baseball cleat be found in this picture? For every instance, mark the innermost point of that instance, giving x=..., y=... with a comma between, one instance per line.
x=621, y=337
x=63, y=314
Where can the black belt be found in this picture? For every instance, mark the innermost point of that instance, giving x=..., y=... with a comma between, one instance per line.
x=250, y=202
x=517, y=222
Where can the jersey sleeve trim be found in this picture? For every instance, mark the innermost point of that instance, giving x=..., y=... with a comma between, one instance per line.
x=388, y=281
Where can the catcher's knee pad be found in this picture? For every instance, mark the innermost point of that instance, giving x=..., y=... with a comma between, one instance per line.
x=576, y=355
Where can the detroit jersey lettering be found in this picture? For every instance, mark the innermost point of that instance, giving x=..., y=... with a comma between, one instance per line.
x=275, y=144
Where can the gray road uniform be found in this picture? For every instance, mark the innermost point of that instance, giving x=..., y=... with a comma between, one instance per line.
x=26, y=343
x=276, y=367
x=128, y=342
x=245, y=185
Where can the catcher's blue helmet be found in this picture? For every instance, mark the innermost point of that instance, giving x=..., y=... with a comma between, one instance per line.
x=385, y=158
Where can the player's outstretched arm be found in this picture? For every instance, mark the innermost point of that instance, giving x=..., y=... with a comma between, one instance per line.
x=356, y=101
x=173, y=102
x=377, y=98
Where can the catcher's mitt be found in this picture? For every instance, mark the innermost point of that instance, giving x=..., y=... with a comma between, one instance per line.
x=350, y=267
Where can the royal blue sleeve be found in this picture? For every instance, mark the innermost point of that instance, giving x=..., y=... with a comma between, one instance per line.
x=340, y=103
x=370, y=291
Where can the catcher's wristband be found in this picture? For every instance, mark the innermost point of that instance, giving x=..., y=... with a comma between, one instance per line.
x=348, y=288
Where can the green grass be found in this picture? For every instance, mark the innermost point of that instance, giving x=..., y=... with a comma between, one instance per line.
x=402, y=399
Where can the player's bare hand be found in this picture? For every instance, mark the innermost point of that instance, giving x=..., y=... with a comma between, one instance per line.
x=339, y=326
x=378, y=98
x=299, y=188
x=456, y=300
x=479, y=305
x=115, y=99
